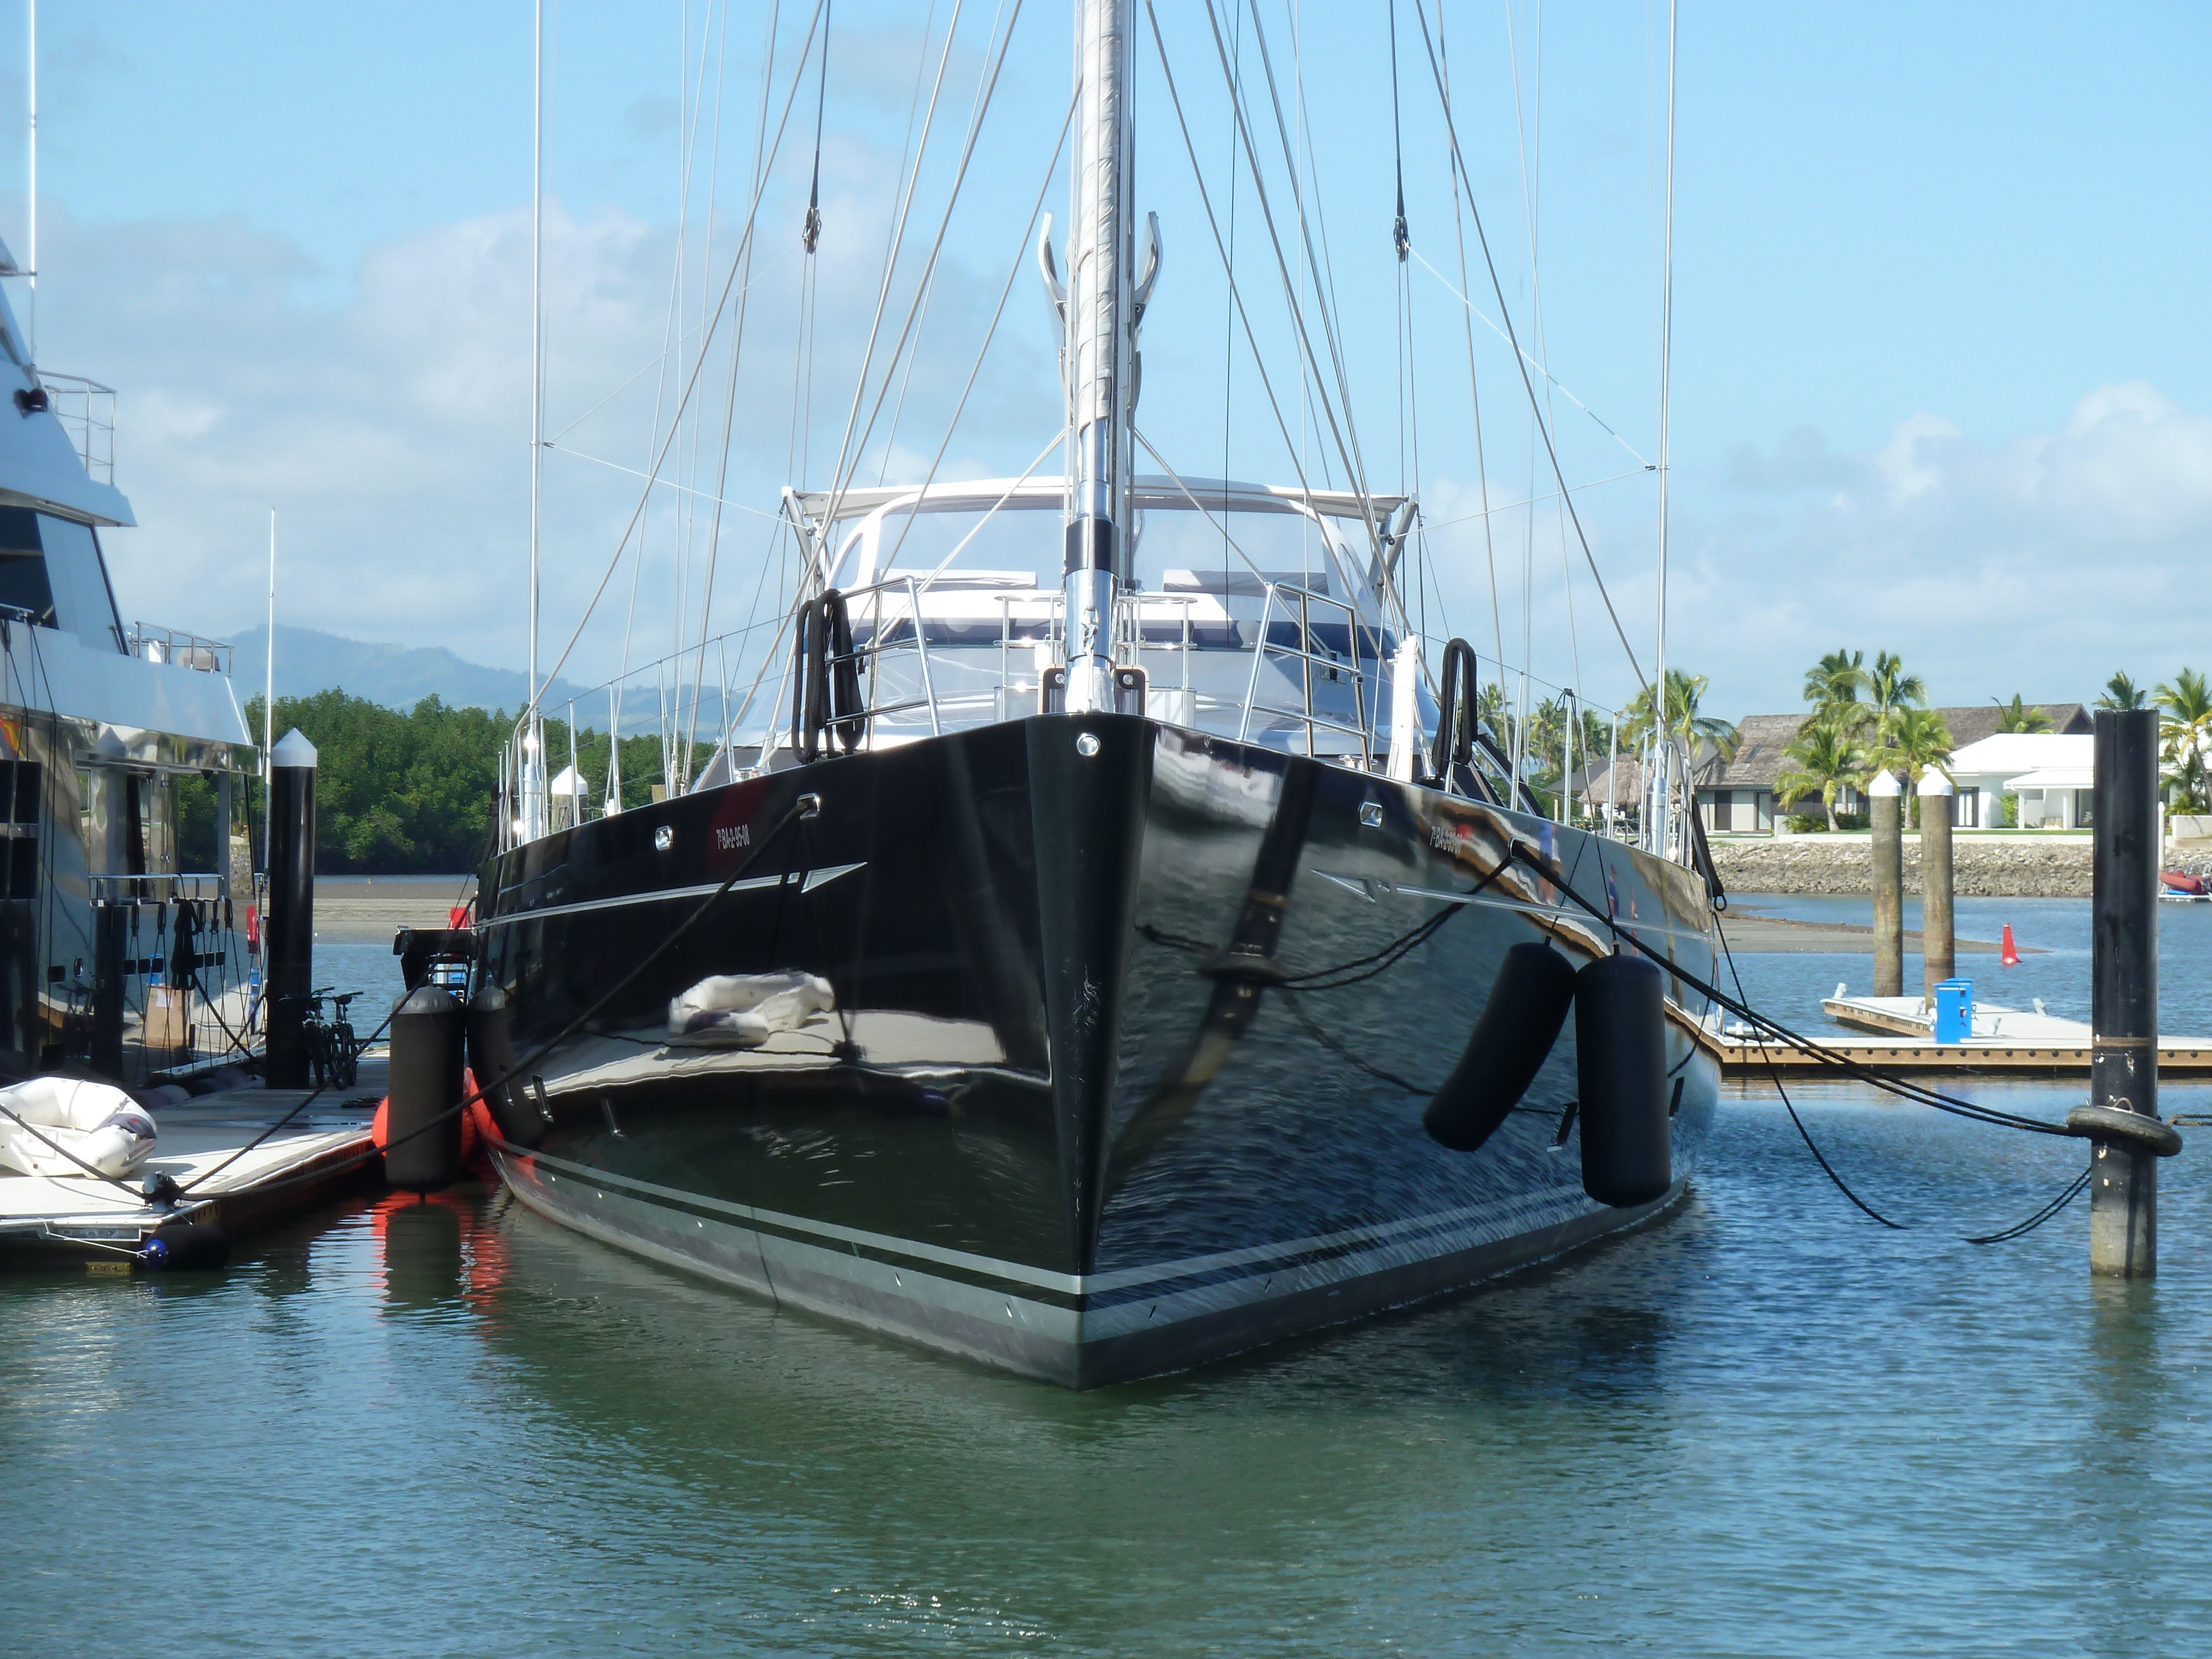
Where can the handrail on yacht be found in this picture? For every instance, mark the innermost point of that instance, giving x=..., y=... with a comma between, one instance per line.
x=166, y=886
x=176, y=645
x=85, y=409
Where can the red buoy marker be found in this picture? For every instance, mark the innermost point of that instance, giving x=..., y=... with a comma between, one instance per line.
x=2011, y=957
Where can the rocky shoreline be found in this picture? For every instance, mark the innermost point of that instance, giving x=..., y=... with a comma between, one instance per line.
x=2057, y=868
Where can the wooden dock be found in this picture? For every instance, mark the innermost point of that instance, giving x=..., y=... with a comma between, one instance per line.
x=55, y=1220
x=1746, y=1058
x=1902, y=1038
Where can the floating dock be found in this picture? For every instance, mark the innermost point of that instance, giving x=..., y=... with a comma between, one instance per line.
x=58, y=1220
x=2005, y=1040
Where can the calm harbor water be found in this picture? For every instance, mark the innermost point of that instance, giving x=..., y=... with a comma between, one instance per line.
x=1762, y=1426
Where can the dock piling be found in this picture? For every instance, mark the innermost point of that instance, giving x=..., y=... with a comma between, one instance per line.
x=2123, y=1000
x=1938, y=937
x=291, y=907
x=1884, y=801
x=110, y=950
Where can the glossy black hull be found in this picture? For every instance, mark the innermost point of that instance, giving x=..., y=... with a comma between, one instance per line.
x=1129, y=1051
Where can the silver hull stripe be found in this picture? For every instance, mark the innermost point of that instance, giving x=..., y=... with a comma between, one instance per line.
x=813, y=879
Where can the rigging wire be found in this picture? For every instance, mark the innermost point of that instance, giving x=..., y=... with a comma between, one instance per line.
x=1021, y=255
x=730, y=403
x=1659, y=709
x=1483, y=239
x=1531, y=179
x=1901, y=1087
x=1473, y=383
x=678, y=759
x=913, y=106
x=1348, y=438
x=686, y=124
x=1479, y=315
x=1586, y=486
x=993, y=66
x=1533, y=196
x=1294, y=447
x=903, y=206
x=1290, y=286
x=1228, y=329
x=2066, y=1195
x=1228, y=260
x=692, y=381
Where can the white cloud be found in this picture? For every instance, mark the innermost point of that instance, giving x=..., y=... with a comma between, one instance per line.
x=2039, y=564
x=391, y=431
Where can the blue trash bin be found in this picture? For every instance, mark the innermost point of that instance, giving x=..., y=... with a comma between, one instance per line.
x=1954, y=1010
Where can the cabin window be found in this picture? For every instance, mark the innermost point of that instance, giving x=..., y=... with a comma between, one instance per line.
x=51, y=572
x=24, y=590
x=79, y=576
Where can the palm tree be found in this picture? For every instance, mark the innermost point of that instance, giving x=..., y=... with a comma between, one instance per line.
x=1823, y=759
x=1922, y=742
x=2019, y=716
x=2122, y=692
x=2186, y=728
x=1890, y=692
x=1684, y=723
x=1495, y=711
x=1834, y=682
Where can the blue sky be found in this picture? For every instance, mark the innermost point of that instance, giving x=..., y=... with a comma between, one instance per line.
x=1940, y=374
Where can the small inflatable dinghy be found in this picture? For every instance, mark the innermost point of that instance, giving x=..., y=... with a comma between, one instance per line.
x=102, y=1125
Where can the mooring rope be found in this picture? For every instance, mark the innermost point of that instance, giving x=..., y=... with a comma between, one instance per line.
x=1519, y=851
x=806, y=806
x=2017, y=1230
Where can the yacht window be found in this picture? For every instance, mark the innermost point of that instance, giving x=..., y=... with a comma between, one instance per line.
x=24, y=588
x=1188, y=551
x=79, y=582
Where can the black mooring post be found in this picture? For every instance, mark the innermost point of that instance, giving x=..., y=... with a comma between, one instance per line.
x=109, y=922
x=2122, y=1120
x=291, y=907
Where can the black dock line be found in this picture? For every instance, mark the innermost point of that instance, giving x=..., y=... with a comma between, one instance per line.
x=806, y=806
x=1912, y=1091
x=2019, y=1230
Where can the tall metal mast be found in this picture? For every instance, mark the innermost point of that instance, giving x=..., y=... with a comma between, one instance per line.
x=30, y=330
x=533, y=741
x=1662, y=738
x=1101, y=349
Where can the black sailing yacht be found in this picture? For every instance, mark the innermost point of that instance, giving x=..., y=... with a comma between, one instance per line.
x=1096, y=978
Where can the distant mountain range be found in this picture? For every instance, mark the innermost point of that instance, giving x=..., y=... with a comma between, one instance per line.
x=309, y=660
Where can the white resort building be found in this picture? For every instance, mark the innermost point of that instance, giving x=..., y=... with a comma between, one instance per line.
x=2049, y=774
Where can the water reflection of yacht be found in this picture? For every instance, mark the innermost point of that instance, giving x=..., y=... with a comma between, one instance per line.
x=116, y=743
x=1151, y=918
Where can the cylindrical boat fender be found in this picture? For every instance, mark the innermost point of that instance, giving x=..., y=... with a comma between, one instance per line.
x=427, y=1039
x=1621, y=1051
x=491, y=1057
x=1527, y=1005
x=179, y=1247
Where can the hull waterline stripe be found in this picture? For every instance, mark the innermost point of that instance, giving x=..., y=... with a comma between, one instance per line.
x=1252, y=1257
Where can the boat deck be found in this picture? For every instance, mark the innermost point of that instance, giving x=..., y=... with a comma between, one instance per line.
x=80, y=1217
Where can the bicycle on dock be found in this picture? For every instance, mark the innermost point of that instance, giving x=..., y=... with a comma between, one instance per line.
x=333, y=1050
